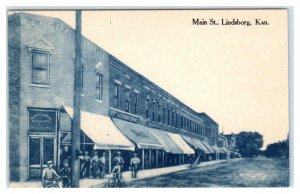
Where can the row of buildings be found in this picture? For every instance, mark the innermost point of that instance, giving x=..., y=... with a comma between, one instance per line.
x=120, y=108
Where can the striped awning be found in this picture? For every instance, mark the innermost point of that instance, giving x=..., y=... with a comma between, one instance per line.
x=102, y=131
x=139, y=134
x=181, y=143
x=196, y=143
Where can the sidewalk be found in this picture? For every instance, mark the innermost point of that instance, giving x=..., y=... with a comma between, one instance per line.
x=142, y=174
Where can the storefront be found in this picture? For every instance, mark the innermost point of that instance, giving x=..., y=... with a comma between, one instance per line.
x=201, y=150
x=101, y=134
x=146, y=143
x=42, y=140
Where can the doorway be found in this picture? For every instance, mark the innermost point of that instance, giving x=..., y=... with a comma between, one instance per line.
x=41, y=149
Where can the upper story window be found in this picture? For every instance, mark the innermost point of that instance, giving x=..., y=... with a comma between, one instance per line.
x=147, y=108
x=99, y=86
x=164, y=115
x=135, y=102
x=127, y=98
x=153, y=110
x=159, y=113
x=168, y=117
x=117, y=95
x=181, y=122
x=41, y=50
x=40, y=67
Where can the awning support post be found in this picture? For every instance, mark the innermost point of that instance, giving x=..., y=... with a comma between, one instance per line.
x=150, y=158
x=109, y=161
x=156, y=159
x=163, y=158
x=183, y=158
x=143, y=159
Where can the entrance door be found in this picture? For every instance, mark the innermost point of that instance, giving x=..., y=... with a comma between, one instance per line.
x=41, y=150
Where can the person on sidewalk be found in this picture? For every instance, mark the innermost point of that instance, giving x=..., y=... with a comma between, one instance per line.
x=102, y=162
x=119, y=159
x=117, y=174
x=134, y=164
x=85, y=166
x=48, y=175
x=94, y=167
x=65, y=173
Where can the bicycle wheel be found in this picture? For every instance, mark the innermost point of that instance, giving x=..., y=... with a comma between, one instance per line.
x=111, y=184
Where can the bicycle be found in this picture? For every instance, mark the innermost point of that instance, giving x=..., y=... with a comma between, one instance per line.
x=52, y=183
x=115, y=182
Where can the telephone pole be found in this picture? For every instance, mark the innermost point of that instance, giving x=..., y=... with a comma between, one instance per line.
x=76, y=104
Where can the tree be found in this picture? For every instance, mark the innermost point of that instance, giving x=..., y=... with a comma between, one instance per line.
x=278, y=149
x=249, y=143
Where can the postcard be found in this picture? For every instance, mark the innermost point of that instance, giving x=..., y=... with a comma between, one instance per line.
x=175, y=98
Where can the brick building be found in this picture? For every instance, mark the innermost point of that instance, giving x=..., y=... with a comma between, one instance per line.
x=121, y=109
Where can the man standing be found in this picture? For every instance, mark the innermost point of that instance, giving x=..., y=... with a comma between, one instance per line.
x=94, y=167
x=102, y=161
x=134, y=163
x=65, y=173
x=85, y=166
x=48, y=175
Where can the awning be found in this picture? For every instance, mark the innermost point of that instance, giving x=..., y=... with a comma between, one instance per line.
x=227, y=151
x=181, y=143
x=139, y=134
x=169, y=145
x=212, y=151
x=196, y=143
x=217, y=149
x=102, y=131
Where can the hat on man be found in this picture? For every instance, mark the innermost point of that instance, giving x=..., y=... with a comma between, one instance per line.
x=49, y=162
x=65, y=161
x=118, y=152
x=135, y=154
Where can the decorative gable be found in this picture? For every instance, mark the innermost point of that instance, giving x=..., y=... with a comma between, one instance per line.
x=40, y=44
x=99, y=66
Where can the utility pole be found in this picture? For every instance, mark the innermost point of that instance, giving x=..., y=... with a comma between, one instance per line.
x=76, y=104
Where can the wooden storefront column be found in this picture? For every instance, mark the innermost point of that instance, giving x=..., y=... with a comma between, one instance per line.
x=150, y=158
x=182, y=158
x=163, y=158
x=109, y=161
x=156, y=159
x=143, y=159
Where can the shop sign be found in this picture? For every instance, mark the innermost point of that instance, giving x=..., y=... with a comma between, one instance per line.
x=42, y=121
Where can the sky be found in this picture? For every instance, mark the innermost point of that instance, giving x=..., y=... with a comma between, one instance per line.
x=236, y=74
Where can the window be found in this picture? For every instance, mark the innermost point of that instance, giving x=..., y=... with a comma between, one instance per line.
x=164, y=115
x=181, y=122
x=99, y=86
x=158, y=112
x=153, y=111
x=147, y=108
x=127, y=97
x=176, y=120
x=168, y=117
x=136, y=102
x=40, y=68
x=117, y=96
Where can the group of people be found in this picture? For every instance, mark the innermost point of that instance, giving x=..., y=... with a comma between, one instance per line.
x=92, y=167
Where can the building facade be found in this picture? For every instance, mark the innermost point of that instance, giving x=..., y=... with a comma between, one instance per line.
x=121, y=109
